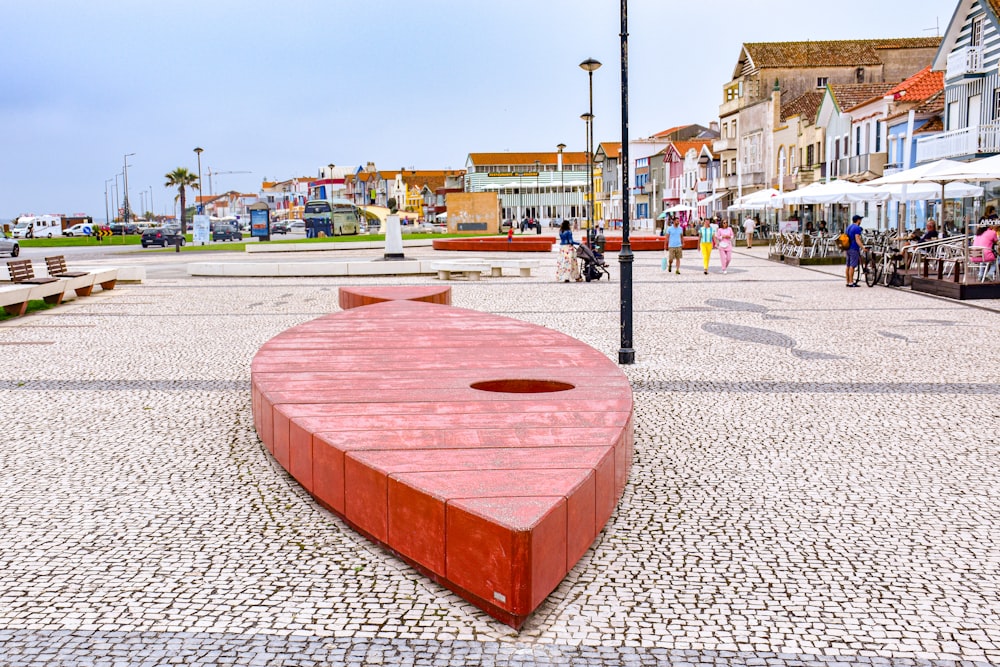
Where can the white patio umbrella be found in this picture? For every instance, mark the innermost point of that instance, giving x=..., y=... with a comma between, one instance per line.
x=923, y=191
x=756, y=200
x=832, y=192
x=677, y=208
x=941, y=172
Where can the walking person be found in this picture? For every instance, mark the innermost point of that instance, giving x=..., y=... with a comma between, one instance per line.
x=724, y=237
x=675, y=245
x=749, y=225
x=706, y=235
x=566, y=266
x=854, y=250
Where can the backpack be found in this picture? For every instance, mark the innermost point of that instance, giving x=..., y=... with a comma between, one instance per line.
x=845, y=241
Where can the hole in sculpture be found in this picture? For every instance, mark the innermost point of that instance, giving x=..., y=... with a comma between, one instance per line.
x=522, y=386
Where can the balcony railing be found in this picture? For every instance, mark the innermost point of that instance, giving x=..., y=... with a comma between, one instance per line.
x=724, y=144
x=966, y=142
x=965, y=61
x=726, y=108
x=859, y=164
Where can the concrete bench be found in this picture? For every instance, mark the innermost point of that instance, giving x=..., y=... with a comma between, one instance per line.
x=523, y=266
x=14, y=299
x=469, y=269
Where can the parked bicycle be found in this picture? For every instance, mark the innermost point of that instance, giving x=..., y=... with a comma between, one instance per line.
x=882, y=262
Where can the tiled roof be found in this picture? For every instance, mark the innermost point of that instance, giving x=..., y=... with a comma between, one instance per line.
x=670, y=131
x=933, y=104
x=612, y=149
x=684, y=146
x=433, y=179
x=995, y=4
x=922, y=108
x=528, y=158
x=853, y=52
x=850, y=95
x=933, y=125
x=805, y=105
x=920, y=86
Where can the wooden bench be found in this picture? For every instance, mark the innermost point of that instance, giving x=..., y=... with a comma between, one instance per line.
x=21, y=271
x=56, y=266
x=82, y=281
x=471, y=270
x=47, y=288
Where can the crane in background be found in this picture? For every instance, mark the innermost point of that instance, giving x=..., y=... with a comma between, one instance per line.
x=210, y=172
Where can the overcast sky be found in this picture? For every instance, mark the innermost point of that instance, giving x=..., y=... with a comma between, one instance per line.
x=279, y=89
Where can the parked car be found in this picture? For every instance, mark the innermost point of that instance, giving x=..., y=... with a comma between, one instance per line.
x=119, y=228
x=279, y=227
x=162, y=236
x=79, y=229
x=297, y=226
x=226, y=232
x=9, y=244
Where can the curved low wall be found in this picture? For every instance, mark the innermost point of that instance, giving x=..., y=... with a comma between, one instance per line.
x=614, y=243
x=497, y=244
x=355, y=297
x=492, y=474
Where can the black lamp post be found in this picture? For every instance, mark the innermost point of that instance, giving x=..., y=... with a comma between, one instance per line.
x=589, y=65
x=562, y=187
x=125, y=183
x=626, y=355
x=198, y=207
x=587, y=119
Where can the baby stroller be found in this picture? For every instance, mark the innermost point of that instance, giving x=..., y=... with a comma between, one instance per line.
x=594, y=265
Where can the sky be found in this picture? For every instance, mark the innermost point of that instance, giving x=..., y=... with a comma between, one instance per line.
x=281, y=89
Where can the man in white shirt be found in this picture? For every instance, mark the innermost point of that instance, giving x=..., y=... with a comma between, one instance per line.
x=748, y=226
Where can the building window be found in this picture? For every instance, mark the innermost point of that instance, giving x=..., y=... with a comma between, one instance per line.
x=976, y=38
x=821, y=81
x=996, y=104
x=857, y=141
x=878, y=136
x=810, y=155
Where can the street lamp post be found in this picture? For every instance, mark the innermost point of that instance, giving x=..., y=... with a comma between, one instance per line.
x=151, y=209
x=198, y=208
x=117, y=204
x=125, y=172
x=562, y=186
x=587, y=119
x=538, y=197
x=589, y=65
x=626, y=355
x=329, y=187
x=107, y=219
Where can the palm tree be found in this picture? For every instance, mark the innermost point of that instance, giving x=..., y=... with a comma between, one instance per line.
x=182, y=178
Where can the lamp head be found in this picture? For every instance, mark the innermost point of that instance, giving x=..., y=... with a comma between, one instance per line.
x=560, y=147
x=590, y=65
x=587, y=117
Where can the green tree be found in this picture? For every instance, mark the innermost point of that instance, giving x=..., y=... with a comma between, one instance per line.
x=181, y=178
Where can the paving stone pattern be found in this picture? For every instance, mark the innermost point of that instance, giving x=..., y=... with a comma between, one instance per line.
x=815, y=483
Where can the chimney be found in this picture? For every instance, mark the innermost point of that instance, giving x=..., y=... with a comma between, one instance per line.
x=714, y=126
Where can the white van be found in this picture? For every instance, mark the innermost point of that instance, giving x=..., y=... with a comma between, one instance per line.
x=37, y=227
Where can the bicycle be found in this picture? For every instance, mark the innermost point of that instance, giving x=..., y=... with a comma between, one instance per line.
x=882, y=263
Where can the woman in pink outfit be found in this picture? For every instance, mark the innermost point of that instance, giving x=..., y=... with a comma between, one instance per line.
x=724, y=238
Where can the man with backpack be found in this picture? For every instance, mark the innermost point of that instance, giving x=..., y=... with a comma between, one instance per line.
x=854, y=248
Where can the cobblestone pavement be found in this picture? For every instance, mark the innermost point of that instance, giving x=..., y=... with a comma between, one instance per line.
x=815, y=483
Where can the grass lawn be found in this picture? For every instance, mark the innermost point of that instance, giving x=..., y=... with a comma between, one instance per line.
x=235, y=246
x=33, y=307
